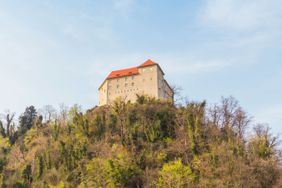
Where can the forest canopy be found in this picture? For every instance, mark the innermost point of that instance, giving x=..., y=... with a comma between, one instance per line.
x=150, y=143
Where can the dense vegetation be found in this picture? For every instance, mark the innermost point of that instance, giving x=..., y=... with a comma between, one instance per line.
x=147, y=144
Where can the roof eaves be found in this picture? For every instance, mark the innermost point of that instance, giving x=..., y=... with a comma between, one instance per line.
x=121, y=76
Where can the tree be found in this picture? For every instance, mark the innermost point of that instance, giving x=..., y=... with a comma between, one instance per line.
x=175, y=174
x=263, y=144
x=152, y=143
x=63, y=114
x=26, y=119
x=2, y=130
x=27, y=175
x=9, y=128
x=48, y=112
x=177, y=94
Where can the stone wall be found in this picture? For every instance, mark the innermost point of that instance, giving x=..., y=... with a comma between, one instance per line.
x=149, y=82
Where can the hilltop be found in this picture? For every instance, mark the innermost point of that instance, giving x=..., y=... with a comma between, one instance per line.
x=146, y=144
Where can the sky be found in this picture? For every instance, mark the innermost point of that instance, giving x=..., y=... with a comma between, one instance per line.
x=54, y=52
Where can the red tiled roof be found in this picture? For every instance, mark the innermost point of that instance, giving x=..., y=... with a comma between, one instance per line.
x=123, y=72
x=149, y=62
x=130, y=71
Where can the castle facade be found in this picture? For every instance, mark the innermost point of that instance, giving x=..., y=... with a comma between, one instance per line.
x=145, y=79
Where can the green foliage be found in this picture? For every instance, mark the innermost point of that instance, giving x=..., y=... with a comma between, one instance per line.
x=27, y=175
x=4, y=143
x=262, y=144
x=117, y=171
x=2, y=130
x=98, y=174
x=29, y=136
x=40, y=165
x=60, y=185
x=175, y=174
x=150, y=143
x=26, y=119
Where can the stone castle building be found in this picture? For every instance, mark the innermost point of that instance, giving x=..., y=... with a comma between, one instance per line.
x=146, y=79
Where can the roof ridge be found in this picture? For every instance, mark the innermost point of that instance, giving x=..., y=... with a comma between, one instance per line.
x=130, y=71
x=149, y=62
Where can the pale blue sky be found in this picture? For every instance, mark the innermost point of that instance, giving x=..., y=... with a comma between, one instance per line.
x=59, y=51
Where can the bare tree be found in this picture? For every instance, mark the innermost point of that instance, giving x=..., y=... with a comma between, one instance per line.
x=177, y=98
x=241, y=122
x=229, y=106
x=63, y=114
x=63, y=111
x=8, y=118
x=48, y=112
x=264, y=143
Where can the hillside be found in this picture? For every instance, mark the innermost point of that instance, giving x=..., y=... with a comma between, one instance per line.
x=147, y=144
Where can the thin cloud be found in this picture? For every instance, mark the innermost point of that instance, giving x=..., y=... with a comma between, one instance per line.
x=124, y=7
x=242, y=28
x=240, y=14
x=193, y=65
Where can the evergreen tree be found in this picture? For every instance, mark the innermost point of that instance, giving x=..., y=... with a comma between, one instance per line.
x=26, y=119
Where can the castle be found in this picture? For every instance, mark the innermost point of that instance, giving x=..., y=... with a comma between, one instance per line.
x=146, y=79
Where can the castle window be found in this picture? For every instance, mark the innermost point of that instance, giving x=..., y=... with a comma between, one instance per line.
x=151, y=78
x=132, y=84
x=117, y=86
x=125, y=85
x=132, y=77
